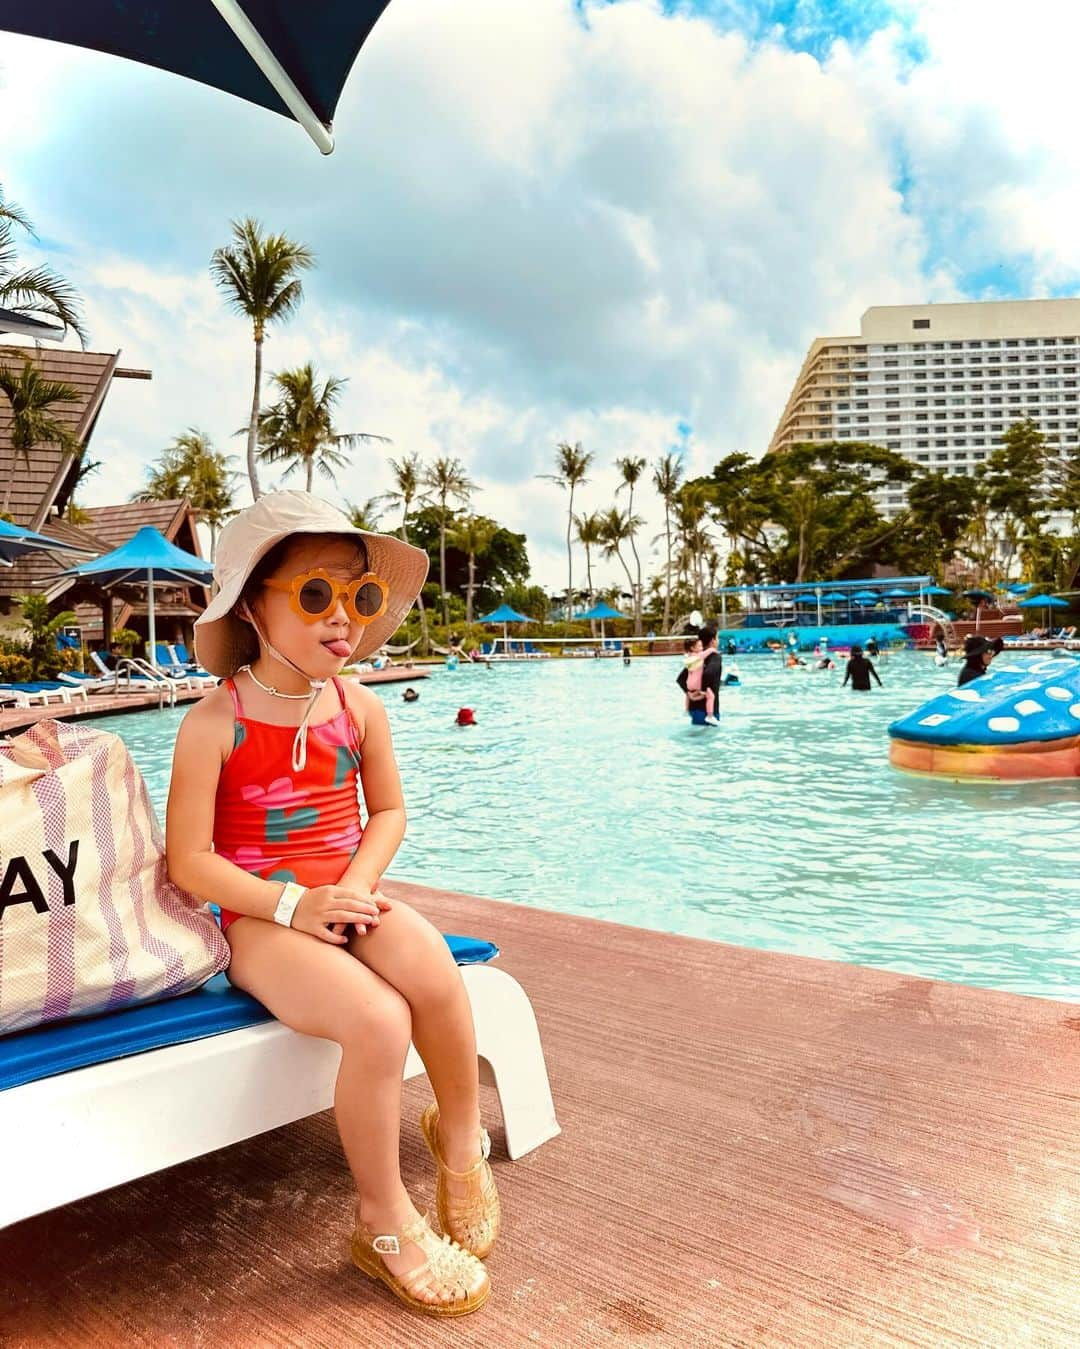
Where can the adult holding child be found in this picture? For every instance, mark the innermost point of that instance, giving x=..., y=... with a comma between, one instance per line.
x=263, y=817
x=710, y=673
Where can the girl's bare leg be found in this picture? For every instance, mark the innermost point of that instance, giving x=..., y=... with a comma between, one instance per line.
x=410, y=955
x=322, y=990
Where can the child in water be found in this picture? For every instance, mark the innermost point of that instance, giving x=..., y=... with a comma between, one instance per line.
x=695, y=665
x=263, y=818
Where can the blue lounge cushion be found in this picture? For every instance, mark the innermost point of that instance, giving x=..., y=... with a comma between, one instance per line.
x=45, y=1051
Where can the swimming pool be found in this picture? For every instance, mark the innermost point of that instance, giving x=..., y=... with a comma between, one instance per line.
x=583, y=788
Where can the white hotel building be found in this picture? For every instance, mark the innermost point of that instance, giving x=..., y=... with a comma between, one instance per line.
x=941, y=383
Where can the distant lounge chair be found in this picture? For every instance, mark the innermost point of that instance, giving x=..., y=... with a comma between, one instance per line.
x=166, y=662
x=40, y=691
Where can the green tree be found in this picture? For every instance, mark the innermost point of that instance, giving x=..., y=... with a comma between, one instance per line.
x=616, y=528
x=530, y=600
x=473, y=536
x=571, y=465
x=36, y=291
x=298, y=430
x=259, y=275
x=408, y=487
x=33, y=422
x=446, y=480
x=505, y=563
x=44, y=657
x=940, y=509
x=667, y=479
x=191, y=467
x=590, y=535
x=631, y=467
x=807, y=512
x=1013, y=482
x=367, y=514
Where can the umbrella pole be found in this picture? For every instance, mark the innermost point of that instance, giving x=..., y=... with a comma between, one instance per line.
x=150, y=618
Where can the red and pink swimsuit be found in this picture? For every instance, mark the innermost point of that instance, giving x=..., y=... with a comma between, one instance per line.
x=283, y=826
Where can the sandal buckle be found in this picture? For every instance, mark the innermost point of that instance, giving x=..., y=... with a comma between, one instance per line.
x=386, y=1245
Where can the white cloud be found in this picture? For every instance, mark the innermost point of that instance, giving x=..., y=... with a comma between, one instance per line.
x=538, y=227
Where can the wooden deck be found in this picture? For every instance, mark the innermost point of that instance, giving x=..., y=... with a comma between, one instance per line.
x=757, y=1149
x=13, y=720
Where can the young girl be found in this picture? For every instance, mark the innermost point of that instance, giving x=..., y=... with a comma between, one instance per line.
x=694, y=664
x=263, y=818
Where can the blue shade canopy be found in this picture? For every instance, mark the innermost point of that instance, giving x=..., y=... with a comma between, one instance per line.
x=291, y=58
x=504, y=614
x=834, y=597
x=898, y=594
x=144, y=553
x=600, y=611
x=865, y=597
x=936, y=590
x=1018, y=587
x=1043, y=602
x=805, y=599
x=16, y=542
x=978, y=594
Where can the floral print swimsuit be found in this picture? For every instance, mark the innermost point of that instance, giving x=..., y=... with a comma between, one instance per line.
x=283, y=826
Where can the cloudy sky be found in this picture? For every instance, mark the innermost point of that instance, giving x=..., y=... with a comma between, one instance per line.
x=616, y=223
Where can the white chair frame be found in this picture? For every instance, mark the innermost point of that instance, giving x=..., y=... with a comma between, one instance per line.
x=89, y=1129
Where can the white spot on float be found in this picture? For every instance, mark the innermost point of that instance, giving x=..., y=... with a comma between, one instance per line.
x=966, y=695
x=1003, y=724
x=1027, y=706
x=1074, y=711
x=934, y=719
x=1022, y=688
x=1056, y=692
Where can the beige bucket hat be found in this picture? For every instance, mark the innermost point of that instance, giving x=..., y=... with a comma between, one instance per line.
x=224, y=642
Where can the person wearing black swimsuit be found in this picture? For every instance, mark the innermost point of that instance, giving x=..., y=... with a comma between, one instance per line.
x=859, y=670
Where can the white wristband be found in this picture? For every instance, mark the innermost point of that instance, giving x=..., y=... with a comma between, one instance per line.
x=291, y=895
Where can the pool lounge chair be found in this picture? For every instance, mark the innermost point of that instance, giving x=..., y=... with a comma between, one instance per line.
x=86, y=1119
x=166, y=662
x=40, y=691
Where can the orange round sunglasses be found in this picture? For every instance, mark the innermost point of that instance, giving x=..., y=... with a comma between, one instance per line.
x=314, y=594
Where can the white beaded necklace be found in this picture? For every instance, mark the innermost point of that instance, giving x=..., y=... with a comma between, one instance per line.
x=317, y=685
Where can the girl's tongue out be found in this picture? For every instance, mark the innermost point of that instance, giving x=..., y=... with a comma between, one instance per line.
x=338, y=648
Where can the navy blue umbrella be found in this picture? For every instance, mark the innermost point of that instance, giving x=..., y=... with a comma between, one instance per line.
x=148, y=559
x=291, y=58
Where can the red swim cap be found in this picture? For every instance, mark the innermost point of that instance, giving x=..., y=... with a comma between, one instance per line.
x=465, y=717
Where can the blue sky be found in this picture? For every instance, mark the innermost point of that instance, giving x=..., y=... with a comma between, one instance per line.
x=549, y=220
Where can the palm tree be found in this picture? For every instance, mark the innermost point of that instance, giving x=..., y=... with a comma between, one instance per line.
x=693, y=530
x=367, y=515
x=631, y=469
x=571, y=463
x=37, y=291
x=473, y=536
x=259, y=276
x=446, y=479
x=32, y=423
x=409, y=474
x=590, y=535
x=191, y=467
x=616, y=528
x=298, y=431
x=667, y=479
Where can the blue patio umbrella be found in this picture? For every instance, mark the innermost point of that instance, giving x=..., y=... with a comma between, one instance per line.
x=897, y=594
x=1018, y=587
x=1046, y=602
x=805, y=599
x=148, y=559
x=865, y=597
x=16, y=542
x=936, y=590
x=598, y=613
x=291, y=58
x=504, y=614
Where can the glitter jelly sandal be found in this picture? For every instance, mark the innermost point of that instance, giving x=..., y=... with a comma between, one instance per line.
x=472, y=1219
x=447, y=1270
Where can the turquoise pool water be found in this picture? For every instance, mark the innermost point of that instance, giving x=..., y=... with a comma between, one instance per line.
x=583, y=788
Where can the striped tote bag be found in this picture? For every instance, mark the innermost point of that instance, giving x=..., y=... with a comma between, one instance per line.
x=89, y=920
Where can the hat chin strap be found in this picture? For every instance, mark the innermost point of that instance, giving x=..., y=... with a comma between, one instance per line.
x=299, y=747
